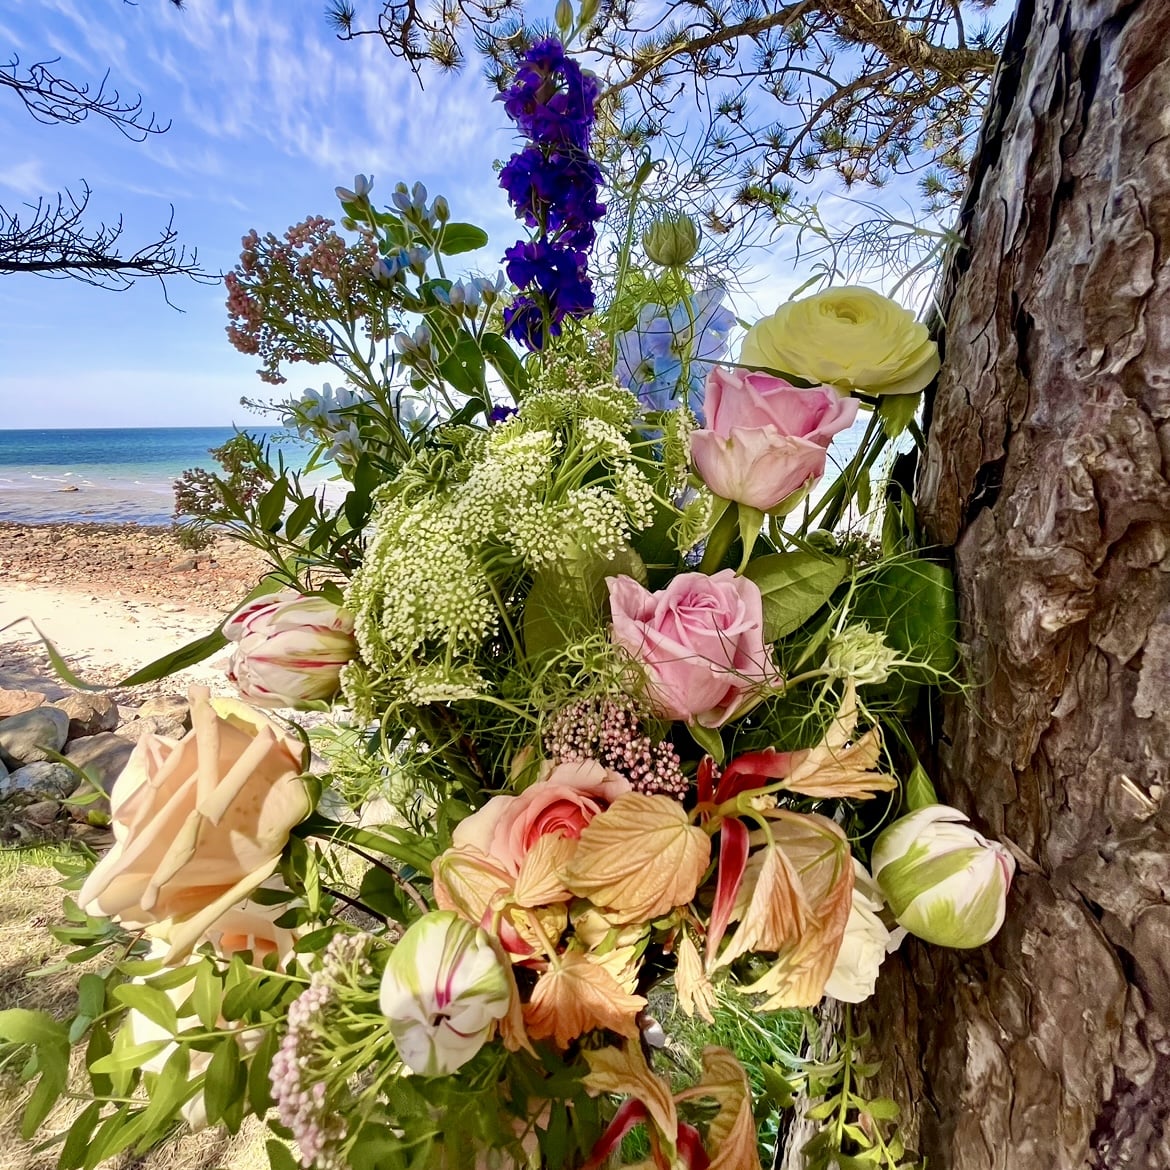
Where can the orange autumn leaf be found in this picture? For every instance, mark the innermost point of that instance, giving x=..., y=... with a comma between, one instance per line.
x=539, y=882
x=731, y=1136
x=512, y=1030
x=577, y=996
x=696, y=996
x=819, y=853
x=778, y=912
x=623, y=1072
x=640, y=858
x=840, y=765
x=467, y=882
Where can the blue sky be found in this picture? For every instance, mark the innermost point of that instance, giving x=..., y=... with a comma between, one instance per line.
x=269, y=113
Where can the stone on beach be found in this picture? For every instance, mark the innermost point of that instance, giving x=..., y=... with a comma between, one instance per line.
x=102, y=757
x=46, y=780
x=32, y=735
x=88, y=714
x=16, y=702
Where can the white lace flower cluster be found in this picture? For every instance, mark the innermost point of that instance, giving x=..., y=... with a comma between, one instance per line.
x=556, y=483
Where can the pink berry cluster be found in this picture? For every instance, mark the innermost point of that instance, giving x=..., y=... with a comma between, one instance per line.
x=303, y=1058
x=608, y=730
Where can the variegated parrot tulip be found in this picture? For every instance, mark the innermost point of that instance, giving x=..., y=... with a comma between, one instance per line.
x=289, y=649
x=444, y=988
x=944, y=882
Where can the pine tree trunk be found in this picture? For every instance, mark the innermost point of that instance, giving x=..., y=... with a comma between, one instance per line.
x=1045, y=471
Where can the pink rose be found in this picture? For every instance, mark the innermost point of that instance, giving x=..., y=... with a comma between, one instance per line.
x=700, y=641
x=765, y=439
x=561, y=803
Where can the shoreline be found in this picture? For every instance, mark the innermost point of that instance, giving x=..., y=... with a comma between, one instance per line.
x=111, y=598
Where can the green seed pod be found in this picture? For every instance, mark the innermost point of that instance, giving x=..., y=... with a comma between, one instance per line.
x=671, y=240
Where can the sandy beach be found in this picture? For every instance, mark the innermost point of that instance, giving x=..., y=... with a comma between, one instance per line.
x=111, y=599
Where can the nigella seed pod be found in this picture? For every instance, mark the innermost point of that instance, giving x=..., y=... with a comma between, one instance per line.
x=671, y=240
x=564, y=16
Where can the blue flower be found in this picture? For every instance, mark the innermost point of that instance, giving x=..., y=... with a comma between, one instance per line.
x=652, y=355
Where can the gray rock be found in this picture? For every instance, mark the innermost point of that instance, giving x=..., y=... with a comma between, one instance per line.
x=88, y=714
x=30, y=736
x=103, y=756
x=151, y=725
x=46, y=780
x=172, y=707
x=44, y=812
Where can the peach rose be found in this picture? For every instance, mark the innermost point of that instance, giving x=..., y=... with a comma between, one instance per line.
x=561, y=802
x=199, y=823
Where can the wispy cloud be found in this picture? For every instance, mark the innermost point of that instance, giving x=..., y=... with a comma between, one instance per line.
x=26, y=178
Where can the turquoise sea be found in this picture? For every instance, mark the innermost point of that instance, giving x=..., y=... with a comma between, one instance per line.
x=108, y=476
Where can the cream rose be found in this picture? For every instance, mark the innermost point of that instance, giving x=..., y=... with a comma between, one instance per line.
x=849, y=337
x=199, y=823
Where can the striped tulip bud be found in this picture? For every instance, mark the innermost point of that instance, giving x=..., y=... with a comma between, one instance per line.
x=943, y=881
x=289, y=649
x=443, y=990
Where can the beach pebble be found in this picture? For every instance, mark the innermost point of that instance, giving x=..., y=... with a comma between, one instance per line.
x=151, y=725
x=43, y=812
x=30, y=736
x=88, y=713
x=173, y=707
x=46, y=780
x=14, y=702
x=103, y=756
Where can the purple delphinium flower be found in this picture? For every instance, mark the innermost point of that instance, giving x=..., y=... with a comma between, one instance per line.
x=651, y=356
x=553, y=185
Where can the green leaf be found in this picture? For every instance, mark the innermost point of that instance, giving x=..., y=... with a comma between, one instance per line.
x=205, y=995
x=897, y=411
x=464, y=368
x=280, y=1157
x=224, y=1080
x=709, y=739
x=299, y=517
x=794, y=585
x=919, y=790
x=91, y=995
x=461, y=237
x=824, y=1109
x=154, y=1004
x=384, y=895
x=259, y=1070
x=884, y=1109
x=128, y=1057
x=506, y=361
x=21, y=1026
x=271, y=506
x=913, y=604
x=77, y=1139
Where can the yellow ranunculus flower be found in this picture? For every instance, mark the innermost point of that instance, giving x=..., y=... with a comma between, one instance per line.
x=849, y=337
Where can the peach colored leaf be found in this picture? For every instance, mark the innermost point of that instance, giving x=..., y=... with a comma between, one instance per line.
x=818, y=851
x=467, y=882
x=539, y=882
x=640, y=858
x=840, y=765
x=731, y=1136
x=624, y=1073
x=577, y=996
x=778, y=913
x=696, y=996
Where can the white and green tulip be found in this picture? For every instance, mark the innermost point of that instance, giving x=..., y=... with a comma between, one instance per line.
x=943, y=881
x=443, y=991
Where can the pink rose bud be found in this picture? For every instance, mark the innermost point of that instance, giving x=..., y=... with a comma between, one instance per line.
x=289, y=649
x=700, y=641
x=765, y=439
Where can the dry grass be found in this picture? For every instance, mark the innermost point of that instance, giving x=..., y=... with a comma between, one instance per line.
x=30, y=901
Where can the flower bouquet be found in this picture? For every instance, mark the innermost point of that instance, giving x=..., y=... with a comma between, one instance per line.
x=610, y=658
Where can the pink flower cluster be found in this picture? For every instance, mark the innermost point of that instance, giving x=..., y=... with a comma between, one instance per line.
x=608, y=730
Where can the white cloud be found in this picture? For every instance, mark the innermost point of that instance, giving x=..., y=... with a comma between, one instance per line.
x=25, y=178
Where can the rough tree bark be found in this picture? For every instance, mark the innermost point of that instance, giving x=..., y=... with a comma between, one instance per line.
x=1046, y=472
